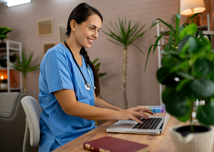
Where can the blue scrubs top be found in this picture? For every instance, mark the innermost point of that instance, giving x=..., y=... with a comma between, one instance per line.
x=58, y=71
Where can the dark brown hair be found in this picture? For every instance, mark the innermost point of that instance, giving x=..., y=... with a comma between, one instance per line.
x=80, y=14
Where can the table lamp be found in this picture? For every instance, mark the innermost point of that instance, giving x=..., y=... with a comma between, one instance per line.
x=190, y=7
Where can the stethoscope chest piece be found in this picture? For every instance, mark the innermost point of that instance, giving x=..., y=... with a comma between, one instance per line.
x=87, y=86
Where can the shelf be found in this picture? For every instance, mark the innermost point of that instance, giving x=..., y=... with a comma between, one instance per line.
x=11, y=49
x=11, y=76
x=208, y=32
x=202, y=28
x=3, y=68
x=11, y=89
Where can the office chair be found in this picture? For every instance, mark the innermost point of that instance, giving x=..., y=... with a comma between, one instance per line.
x=32, y=111
x=12, y=122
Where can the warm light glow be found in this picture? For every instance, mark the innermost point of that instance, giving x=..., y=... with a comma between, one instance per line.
x=17, y=2
x=2, y=77
x=189, y=7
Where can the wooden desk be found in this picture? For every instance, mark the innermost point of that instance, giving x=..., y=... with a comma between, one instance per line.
x=157, y=143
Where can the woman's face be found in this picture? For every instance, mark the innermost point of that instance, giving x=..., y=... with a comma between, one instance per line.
x=86, y=32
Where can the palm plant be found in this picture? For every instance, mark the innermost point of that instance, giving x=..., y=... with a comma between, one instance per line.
x=97, y=66
x=25, y=64
x=173, y=39
x=124, y=34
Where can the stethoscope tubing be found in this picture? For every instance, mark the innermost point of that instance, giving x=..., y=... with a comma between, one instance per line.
x=87, y=85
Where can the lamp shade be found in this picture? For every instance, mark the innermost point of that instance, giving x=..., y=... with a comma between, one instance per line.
x=188, y=7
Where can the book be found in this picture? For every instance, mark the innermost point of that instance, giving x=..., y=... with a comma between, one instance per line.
x=112, y=144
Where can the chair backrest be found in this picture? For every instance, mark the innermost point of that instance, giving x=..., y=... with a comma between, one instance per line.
x=33, y=111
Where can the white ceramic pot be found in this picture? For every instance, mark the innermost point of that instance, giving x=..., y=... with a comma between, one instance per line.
x=3, y=85
x=193, y=142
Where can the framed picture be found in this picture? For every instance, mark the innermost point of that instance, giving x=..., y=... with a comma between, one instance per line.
x=45, y=27
x=48, y=46
x=62, y=31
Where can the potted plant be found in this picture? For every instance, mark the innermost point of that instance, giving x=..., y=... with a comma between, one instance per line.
x=25, y=64
x=3, y=33
x=4, y=84
x=124, y=35
x=187, y=75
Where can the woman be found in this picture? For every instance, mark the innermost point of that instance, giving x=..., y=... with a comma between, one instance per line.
x=69, y=85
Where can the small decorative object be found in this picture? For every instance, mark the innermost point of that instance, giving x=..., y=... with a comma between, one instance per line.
x=187, y=75
x=25, y=65
x=4, y=84
x=156, y=109
x=124, y=34
x=45, y=27
x=62, y=31
x=3, y=33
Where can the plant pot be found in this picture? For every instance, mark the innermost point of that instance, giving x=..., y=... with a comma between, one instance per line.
x=3, y=85
x=184, y=141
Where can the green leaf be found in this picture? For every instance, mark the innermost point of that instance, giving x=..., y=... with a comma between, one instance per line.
x=185, y=75
x=177, y=21
x=205, y=114
x=138, y=48
x=203, y=67
x=202, y=87
x=93, y=62
x=182, y=84
x=192, y=44
x=165, y=23
x=194, y=15
x=176, y=102
x=102, y=74
x=25, y=64
x=188, y=30
x=169, y=62
x=147, y=57
x=166, y=77
x=184, y=118
x=183, y=46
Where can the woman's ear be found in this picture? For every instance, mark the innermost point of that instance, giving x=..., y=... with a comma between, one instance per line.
x=73, y=25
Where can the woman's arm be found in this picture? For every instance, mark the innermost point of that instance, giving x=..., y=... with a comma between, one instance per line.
x=71, y=106
x=102, y=104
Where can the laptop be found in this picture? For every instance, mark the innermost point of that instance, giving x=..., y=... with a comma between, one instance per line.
x=153, y=126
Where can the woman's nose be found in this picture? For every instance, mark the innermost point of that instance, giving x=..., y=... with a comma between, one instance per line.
x=95, y=34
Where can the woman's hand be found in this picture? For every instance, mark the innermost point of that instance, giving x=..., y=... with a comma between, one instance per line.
x=135, y=113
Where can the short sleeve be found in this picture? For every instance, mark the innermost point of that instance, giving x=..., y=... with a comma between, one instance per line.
x=57, y=71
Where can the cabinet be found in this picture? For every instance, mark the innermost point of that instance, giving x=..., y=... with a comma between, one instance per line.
x=12, y=77
x=205, y=29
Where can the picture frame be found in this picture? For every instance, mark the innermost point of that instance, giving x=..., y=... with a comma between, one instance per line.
x=45, y=27
x=61, y=32
x=47, y=46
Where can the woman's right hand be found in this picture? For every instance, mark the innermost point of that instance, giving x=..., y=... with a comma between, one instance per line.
x=134, y=113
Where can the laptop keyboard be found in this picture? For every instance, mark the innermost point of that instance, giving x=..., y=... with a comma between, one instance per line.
x=148, y=123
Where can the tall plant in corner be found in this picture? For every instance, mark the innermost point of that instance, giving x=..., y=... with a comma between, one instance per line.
x=124, y=34
x=25, y=64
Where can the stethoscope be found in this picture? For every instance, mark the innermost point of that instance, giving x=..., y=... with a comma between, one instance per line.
x=87, y=85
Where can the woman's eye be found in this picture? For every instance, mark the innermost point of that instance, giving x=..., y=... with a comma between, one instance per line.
x=91, y=28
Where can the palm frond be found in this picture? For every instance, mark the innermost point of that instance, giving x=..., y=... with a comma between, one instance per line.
x=123, y=33
x=25, y=63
